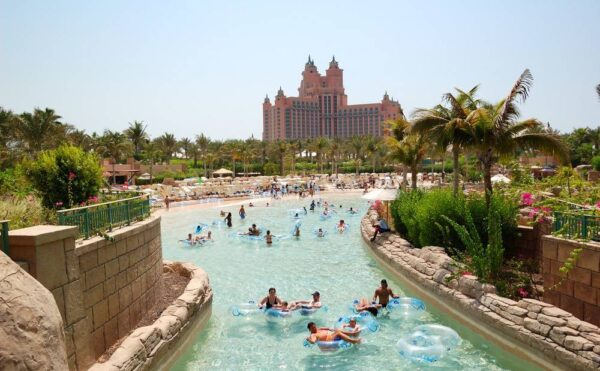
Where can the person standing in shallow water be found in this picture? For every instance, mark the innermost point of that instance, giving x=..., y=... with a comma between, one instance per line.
x=242, y=212
x=228, y=220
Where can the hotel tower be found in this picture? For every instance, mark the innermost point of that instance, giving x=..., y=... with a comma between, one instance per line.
x=321, y=109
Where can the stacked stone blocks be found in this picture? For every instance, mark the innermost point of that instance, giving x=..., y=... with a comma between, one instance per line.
x=579, y=291
x=101, y=287
x=559, y=335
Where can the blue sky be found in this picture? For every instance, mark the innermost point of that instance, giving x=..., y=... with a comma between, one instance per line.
x=191, y=67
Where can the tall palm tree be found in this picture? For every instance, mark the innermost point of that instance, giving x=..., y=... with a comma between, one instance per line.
x=203, y=143
x=185, y=144
x=81, y=139
x=371, y=147
x=410, y=150
x=280, y=149
x=495, y=131
x=136, y=132
x=234, y=151
x=335, y=148
x=115, y=146
x=446, y=125
x=398, y=130
x=320, y=146
x=168, y=145
x=38, y=130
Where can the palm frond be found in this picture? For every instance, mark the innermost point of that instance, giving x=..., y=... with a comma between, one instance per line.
x=544, y=142
x=508, y=111
x=598, y=90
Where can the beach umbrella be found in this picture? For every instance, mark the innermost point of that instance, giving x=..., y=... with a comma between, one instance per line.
x=384, y=194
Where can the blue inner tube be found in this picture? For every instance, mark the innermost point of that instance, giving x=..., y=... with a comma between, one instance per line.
x=428, y=343
x=276, y=313
x=200, y=227
x=309, y=311
x=328, y=346
x=364, y=319
x=245, y=309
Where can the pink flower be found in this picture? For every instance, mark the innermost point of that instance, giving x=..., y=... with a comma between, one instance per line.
x=58, y=204
x=598, y=205
x=72, y=175
x=523, y=293
x=526, y=199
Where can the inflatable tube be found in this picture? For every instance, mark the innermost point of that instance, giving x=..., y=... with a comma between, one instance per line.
x=245, y=309
x=428, y=343
x=356, y=301
x=407, y=306
x=342, y=230
x=364, y=319
x=187, y=242
x=328, y=346
x=200, y=227
x=310, y=311
x=316, y=233
x=274, y=314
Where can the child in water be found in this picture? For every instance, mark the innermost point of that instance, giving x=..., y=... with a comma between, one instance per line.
x=269, y=237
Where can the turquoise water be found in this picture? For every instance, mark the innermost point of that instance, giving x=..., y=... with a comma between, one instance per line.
x=338, y=266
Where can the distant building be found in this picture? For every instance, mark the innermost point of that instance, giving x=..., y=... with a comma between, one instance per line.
x=322, y=109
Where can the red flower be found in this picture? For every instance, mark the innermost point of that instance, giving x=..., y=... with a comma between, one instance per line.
x=72, y=175
x=523, y=293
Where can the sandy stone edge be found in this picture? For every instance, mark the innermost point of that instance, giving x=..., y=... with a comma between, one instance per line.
x=553, y=332
x=146, y=346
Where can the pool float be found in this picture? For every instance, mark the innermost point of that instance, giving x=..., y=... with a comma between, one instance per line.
x=325, y=216
x=187, y=242
x=406, y=306
x=329, y=346
x=357, y=301
x=342, y=229
x=245, y=309
x=297, y=225
x=364, y=319
x=310, y=311
x=428, y=343
x=200, y=227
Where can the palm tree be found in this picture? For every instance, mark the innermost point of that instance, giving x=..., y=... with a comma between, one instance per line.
x=38, y=130
x=203, y=143
x=410, y=150
x=234, y=150
x=7, y=121
x=495, y=131
x=320, y=146
x=136, y=132
x=115, y=146
x=185, y=144
x=334, y=151
x=193, y=150
x=280, y=149
x=398, y=130
x=151, y=154
x=81, y=139
x=371, y=147
x=598, y=90
x=445, y=125
x=168, y=145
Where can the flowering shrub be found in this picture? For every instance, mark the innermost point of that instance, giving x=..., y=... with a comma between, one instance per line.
x=526, y=199
x=65, y=177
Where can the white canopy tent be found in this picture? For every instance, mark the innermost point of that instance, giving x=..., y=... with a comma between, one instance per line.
x=222, y=172
x=383, y=194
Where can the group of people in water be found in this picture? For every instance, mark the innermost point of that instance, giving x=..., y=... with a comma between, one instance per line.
x=348, y=331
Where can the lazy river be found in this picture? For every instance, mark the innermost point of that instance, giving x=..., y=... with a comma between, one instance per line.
x=338, y=266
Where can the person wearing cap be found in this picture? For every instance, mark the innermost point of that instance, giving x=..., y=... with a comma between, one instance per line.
x=308, y=304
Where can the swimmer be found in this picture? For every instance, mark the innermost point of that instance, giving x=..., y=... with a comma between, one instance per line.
x=253, y=231
x=296, y=216
x=228, y=220
x=270, y=300
x=269, y=238
x=305, y=211
x=320, y=233
x=383, y=294
x=341, y=226
x=267, y=204
x=222, y=213
x=312, y=205
x=364, y=306
x=250, y=204
x=297, y=231
x=284, y=307
x=308, y=304
x=352, y=211
x=242, y=212
x=327, y=334
x=351, y=328
x=189, y=239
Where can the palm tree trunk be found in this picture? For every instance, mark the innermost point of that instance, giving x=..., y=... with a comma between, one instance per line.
x=404, y=175
x=413, y=176
x=151, y=171
x=233, y=160
x=455, y=170
x=204, y=163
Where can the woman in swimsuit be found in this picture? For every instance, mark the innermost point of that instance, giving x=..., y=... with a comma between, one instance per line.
x=228, y=220
x=327, y=334
x=269, y=238
x=270, y=300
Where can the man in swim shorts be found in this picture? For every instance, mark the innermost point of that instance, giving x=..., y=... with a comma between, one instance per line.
x=327, y=334
x=242, y=212
x=307, y=304
x=364, y=306
x=253, y=231
x=269, y=237
x=383, y=294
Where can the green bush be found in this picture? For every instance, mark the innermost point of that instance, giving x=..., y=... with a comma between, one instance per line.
x=270, y=169
x=596, y=163
x=422, y=217
x=65, y=177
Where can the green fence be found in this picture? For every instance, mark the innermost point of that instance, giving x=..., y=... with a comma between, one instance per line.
x=4, y=235
x=577, y=226
x=106, y=216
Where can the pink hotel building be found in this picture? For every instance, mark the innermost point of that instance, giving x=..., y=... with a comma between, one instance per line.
x=322, y=109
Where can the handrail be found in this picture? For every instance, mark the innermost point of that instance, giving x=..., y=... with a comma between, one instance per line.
x=577, y=225
x=101, y=204
x=100, y=218
x=4, y=231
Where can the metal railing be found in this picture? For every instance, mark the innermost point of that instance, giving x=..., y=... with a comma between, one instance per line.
x=577, y=226
x=105, y=216
x=4, y=236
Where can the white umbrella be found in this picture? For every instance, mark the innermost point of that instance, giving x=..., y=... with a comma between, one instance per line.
x=384, y=195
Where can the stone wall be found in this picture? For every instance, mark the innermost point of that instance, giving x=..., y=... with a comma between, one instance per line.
x=159, y=343
x=102, y=287
x=579, y=292
x=535, y=330
x=528, y=243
